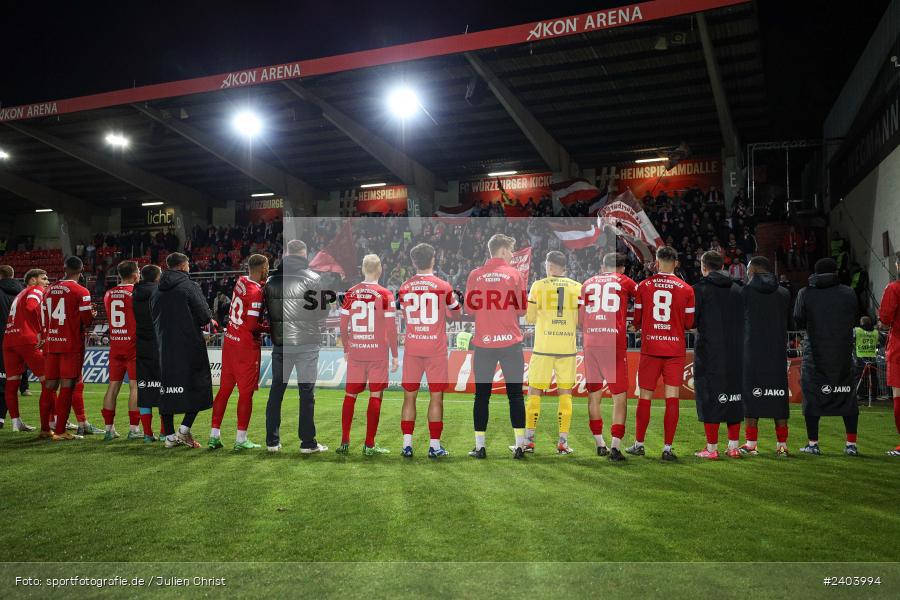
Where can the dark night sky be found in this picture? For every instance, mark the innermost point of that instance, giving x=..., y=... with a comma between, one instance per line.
x=71, y=50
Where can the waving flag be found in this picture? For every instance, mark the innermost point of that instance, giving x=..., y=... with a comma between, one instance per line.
x=455, y=215
x=339, y=256
x=577, y=235
x=574, y=190
x=521, y=260
x=625, y=217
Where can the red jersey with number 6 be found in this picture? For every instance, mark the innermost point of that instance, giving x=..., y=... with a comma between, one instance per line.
x=119, y=309
x=426, y=302
x=245, y=316
x=663, y=309
x=68, y=314
x=368, y=323
x=605, y=305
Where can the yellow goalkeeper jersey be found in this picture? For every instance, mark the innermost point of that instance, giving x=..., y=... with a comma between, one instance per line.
x=553, y=308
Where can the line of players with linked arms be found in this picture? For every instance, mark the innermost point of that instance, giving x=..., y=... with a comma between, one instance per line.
x=739, y=363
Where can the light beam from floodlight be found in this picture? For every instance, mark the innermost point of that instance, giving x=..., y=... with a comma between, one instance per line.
x=4, y=155
x=247, y=123
x=116, y=140
x=403, y=102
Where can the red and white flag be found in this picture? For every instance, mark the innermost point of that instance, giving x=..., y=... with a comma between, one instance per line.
x=454, y=215
x=339, y=256
x=625, y=217
x=574, y=236
x=574, y=190
x=521, y=260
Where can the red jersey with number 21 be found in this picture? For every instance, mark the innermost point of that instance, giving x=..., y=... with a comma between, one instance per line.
x=68, y=313
x=663, y=309
x=368, y=323
x=121, y=319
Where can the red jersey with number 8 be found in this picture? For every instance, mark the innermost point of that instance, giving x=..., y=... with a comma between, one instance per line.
x=121, y=319
x=663, y=309
x=605, y=300
x=68, y=314
x=245, y=314
x=425, y=301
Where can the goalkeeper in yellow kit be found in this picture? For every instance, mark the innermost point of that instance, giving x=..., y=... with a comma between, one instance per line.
x=553, y=309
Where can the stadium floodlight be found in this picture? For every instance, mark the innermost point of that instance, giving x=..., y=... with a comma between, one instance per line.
x=43, y=210
x=262, y=195
x=649, y=160
x=116, y=140
x=151, y=203
x=247, y=123
x=403, y=102
x=373, y=185
x=4, y=155
x=501, y=173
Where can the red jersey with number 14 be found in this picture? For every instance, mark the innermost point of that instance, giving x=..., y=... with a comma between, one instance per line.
x=368, y=323
x=244, y=319
x=425, y=301
x=119, y=309
x=25, y=322
x=605, y=305
x=68, y=314
x=663, y=309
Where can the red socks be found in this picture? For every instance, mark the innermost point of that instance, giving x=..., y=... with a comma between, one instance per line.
x=406, y=427
x=109, y=416
x=435, y=429
x=219, y=405
x=134, y=418
x=372, y=415
x=896, y=412
x=11, y=392
x=712, y=432
x=781, y=433
x=851, y=438
x=734, y=432
x=245, y=409
x=63, y=406
x=670, y=420
x=596, y=426
x=147, y=423
x=618, y=431
x=347, y=418
x=78, y=402
x=641, y=420
x=751, y=433
x=46, y=406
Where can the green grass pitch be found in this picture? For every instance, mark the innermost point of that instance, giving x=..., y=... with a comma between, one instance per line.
x=116, y=501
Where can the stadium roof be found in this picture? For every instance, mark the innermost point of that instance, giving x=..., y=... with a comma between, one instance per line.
x=605, y=87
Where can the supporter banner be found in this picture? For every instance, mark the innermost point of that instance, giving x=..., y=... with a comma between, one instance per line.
x=382, y=200
x=521, y=260
x=333, y=369
x=653, y=177
x=259, y=209
x=512, y=192
x=147, y=218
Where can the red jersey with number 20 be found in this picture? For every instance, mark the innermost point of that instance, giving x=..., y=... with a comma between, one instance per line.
x=68, y=314
x=663, y=309
x=244, y=319
x=368, y=323
x=25, y=322
x=605, y=300
x=426, y=302
x=121, y=319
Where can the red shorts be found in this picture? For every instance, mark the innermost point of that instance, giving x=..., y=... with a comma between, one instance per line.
x=433, y=367
x=893, y=373
x=63, y=366
x=606, y=364
x=651, y=367
x=240, y=366
x=122, y=361
x=374, y=372
x=15, y=358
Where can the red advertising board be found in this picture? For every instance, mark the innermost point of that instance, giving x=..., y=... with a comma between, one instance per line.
x=653, y=177
x=259, y=209
x=512, y=192
x=462, y=378
x=382, y=200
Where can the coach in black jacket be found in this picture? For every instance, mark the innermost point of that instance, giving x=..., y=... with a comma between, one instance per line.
x=297, y=312
x=9, y=289
x=765, y=392
x=179, y=312
x=719, y=319
x=827, y=311
x=145, y=338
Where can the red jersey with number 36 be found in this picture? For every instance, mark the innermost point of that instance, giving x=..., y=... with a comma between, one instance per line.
x=663, y=309
x=68, y=314
x=245, y=316
x=605, y=305
x=26, y=319
x=368, y=323
x=426, y=301
x=119, y=309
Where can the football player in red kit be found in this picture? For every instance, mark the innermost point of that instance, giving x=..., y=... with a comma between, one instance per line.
x=368, y=331
x=663, y=309
x=69, y=312
x=605, y=300
x=425, y=301
x=122, y=351
x=22, y=344
x=241, y=353
x=889, y=314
